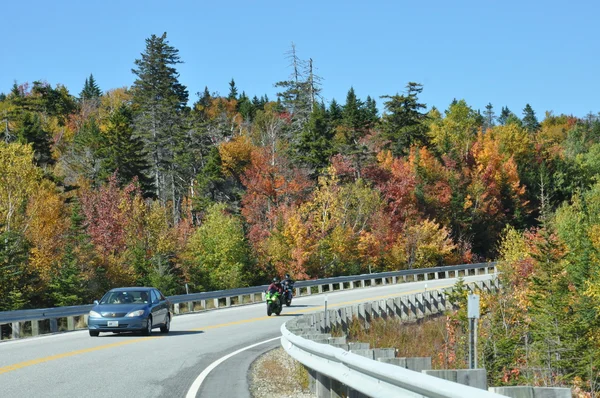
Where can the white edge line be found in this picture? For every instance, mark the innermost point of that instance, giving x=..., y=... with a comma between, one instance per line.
x=193, y=391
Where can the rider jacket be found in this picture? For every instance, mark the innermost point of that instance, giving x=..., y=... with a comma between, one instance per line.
x=276, y=286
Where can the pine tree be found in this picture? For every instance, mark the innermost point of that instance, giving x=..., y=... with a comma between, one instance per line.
x=403, y=123
x=530, y=121
x=160, y=100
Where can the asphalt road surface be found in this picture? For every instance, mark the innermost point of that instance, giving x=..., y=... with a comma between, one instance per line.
x=196, y=358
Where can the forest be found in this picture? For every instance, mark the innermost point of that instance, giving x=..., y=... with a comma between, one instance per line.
x=142, y=186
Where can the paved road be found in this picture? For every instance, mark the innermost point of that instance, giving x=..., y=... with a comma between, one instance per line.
x=74, y=364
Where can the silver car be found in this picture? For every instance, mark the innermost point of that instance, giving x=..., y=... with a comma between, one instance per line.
x=128, y=309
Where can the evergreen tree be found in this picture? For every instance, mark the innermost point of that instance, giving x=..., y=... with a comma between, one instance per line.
x=233, y=92
x=530, y=121
x=335, y=113
x=160, y=101
x=314, y=145
x=91, y=90
x=489, y=117
x=123, y=151
x=505, y=114
x=299, y=93
x=30, y=131
x=403, y=123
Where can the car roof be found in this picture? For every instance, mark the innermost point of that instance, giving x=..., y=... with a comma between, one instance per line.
x=132, y=289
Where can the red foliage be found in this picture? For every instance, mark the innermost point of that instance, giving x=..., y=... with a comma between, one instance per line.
x=106, y=217
x=270, y=188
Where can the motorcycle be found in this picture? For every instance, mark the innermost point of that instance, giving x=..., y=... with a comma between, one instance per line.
x=273, y=302
x=288, y=292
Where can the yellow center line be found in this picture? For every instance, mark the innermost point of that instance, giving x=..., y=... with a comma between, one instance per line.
x=25, y=364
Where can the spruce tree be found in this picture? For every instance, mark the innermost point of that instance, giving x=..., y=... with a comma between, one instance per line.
x=530, y=122
x=160, y=100
x=123, y=151
x=233, y=92
x=91, y=90
x=314, y=147
x=489, y=117
x=403, y=123
x=30, y=131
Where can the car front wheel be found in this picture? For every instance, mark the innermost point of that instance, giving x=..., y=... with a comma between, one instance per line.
x=165, y=328
x=148, y=330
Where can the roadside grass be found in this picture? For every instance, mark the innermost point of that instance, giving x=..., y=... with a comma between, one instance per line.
x=429, y=337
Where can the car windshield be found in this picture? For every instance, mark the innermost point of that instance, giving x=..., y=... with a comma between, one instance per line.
x=125, y=297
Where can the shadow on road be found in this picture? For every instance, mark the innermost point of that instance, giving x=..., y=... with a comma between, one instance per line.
x=154, y=334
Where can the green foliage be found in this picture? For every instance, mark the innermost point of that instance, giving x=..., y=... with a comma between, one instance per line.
x=219, y=256
x=403, y=123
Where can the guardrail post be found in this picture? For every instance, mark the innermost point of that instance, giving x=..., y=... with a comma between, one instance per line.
x=394, y=280
x=384, y=281
x=298, y=290
x=446, y=274
x=331, y=287
x=70, y=323
x=362, y=283
x=341, y=285
x=253, y=297
x=176, y=308
x=351, y=284
x=216, y=302
x=373, y=282
x=53, y=325
x=35, y=327
x=338, y=389
x=16, y=330
x=437, y=275
x=320, y=288
x=323, y=386
x=416, y=277
x=476, y=271
x=403, y=278
x=227, y=301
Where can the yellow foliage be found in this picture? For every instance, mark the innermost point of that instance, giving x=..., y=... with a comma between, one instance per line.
x=423, y=245
x=47, y=224
x=235, y=155
x=19, y=178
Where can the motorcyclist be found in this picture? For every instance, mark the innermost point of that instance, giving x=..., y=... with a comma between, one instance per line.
x=290, y=283
x=276, y=285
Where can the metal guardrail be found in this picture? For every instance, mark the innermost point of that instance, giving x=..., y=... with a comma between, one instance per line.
x=370, y=377
x=82, y=310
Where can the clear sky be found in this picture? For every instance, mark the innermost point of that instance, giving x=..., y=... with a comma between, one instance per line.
x=509, y=52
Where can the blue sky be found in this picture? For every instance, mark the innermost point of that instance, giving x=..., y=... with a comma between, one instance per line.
x=506, y=52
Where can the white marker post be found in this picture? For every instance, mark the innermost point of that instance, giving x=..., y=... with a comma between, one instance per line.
x=326, y=316
x=473, y=315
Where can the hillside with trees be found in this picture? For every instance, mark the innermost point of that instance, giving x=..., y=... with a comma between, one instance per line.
x=141, y=185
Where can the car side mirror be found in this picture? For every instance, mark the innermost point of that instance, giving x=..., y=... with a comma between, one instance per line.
x=96, y=302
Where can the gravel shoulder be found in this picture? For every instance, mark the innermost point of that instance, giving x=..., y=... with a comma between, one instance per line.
x=276, y=374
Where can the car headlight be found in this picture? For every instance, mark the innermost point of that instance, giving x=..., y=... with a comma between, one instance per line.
x=94, y=314
x=135, y=313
